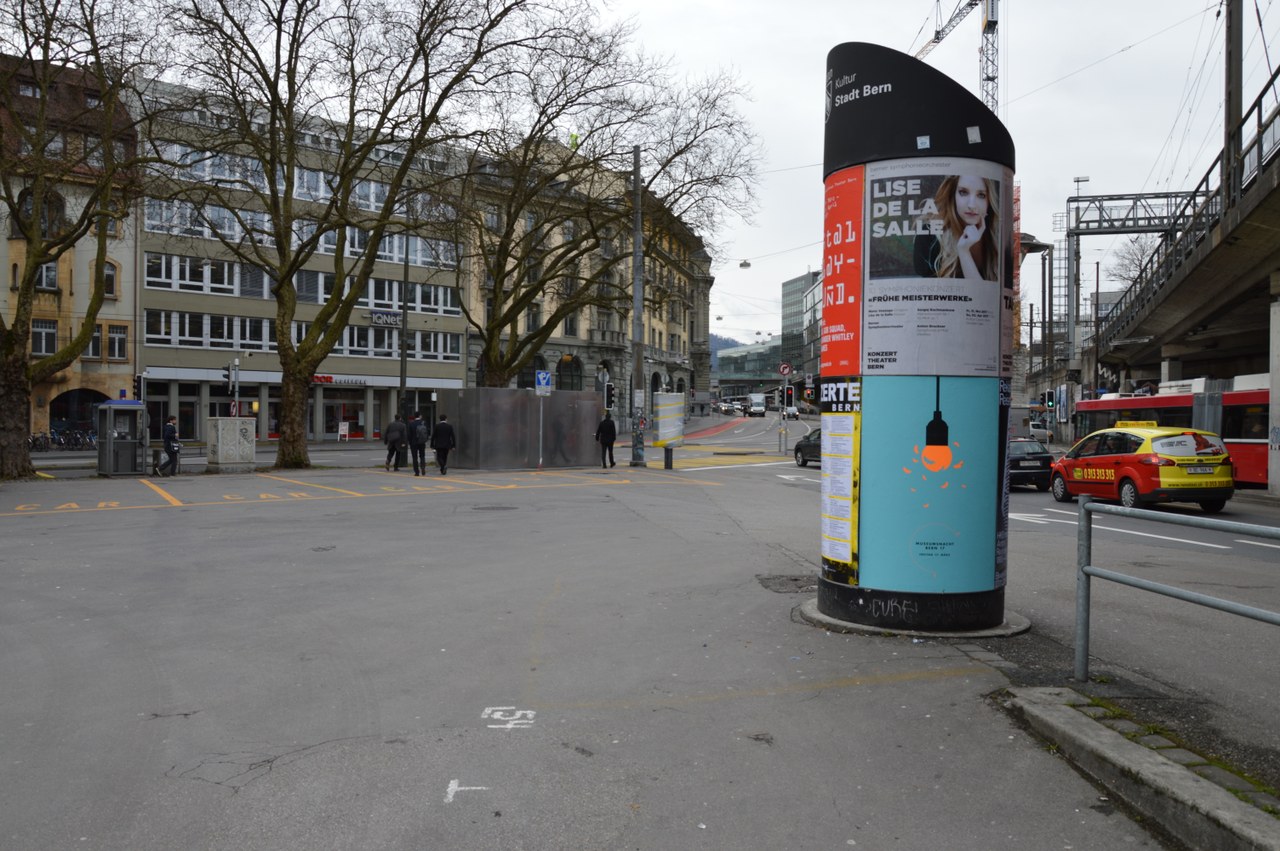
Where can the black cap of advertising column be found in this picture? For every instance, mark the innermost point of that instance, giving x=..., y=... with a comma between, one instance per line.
x=886, y=105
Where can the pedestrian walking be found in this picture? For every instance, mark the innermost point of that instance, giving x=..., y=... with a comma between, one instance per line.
x=442, y=440
x=606, y=434
x=395, y=436
x=419, y=436
x=169, y=436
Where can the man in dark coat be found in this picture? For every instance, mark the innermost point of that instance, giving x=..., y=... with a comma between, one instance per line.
x=606, y=434
x=171, y=448
x=419, y=435
x=394, y=436
x=442, y=440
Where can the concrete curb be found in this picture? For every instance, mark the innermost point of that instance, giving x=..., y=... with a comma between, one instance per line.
x=1198, y=812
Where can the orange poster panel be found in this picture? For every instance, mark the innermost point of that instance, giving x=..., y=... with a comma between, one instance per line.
x=842, y=273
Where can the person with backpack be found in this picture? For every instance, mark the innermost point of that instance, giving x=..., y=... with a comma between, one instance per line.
x=172, y=447
x=419, y=436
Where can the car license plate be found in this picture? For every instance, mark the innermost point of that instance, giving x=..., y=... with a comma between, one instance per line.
x=1028, y=463
x=1201, y=470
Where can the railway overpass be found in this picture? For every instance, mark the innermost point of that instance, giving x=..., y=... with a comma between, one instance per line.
x=1207, y=300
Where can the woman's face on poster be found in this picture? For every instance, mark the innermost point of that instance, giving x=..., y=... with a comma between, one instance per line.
x=971, y=199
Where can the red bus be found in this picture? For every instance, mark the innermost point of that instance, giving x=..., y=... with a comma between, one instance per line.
x=1239, y=415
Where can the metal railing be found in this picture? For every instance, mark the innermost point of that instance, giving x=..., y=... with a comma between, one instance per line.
x=1085, y=570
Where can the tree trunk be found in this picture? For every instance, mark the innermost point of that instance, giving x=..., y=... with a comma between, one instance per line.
x=291, y=451
x=15, y=419
x=496, y=373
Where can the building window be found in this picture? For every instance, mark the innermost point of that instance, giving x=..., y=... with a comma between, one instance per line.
x=109, y=275
x=571, y=325
x=117, y=342
x=28, y=90
x=94, y=352
x=533, y=318
x=44, y=337
x=47, y=277
x=569, y=373
x=92, y=100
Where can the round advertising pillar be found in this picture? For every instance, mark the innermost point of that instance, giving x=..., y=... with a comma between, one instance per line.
x=916, y=347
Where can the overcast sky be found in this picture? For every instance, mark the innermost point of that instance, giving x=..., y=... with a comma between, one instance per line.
x=1126, y=92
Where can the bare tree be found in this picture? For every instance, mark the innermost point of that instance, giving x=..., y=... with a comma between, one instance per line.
x=68, y=172
x=547, y=198
x=1131, y=256
x=364, y=92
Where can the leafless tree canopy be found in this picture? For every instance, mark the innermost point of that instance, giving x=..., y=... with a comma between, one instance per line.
x=68, y=172
x=452, y=106
x=548, y=186
x=1130, y=257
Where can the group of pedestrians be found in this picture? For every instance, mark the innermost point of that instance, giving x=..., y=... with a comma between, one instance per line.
x=417, y=436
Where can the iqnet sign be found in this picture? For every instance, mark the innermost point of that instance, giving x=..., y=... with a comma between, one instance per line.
x=916, y=346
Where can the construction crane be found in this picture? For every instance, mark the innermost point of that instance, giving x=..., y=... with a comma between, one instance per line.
x=988, y=56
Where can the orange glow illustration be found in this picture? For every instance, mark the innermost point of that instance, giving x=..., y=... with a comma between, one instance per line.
x=939, y=453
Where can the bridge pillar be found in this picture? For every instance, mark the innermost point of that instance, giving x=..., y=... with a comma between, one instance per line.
x=1170, y=370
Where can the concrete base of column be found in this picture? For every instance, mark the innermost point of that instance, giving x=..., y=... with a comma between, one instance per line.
x=902, y=610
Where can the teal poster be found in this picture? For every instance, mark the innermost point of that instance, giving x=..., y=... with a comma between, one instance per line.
x=930, y=487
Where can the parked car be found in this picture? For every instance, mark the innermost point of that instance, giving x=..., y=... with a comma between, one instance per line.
x=1042, y=431
x=791, y=412
x=1030, y=463
x=1139, y=462
x=809, y=448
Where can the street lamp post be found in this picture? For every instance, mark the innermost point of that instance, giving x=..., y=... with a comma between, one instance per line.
x=637, y=315
x=402, y=454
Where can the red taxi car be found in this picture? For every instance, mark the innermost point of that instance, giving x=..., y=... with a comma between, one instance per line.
x=1139, y=462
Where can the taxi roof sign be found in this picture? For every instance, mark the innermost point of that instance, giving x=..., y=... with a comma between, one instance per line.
x=1137, y=424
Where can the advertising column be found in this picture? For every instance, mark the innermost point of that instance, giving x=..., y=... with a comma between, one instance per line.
x=916, y=347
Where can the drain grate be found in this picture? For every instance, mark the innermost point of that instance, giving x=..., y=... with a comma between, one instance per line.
x=790, y=584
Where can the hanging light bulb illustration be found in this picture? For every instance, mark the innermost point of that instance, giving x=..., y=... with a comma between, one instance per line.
x=937, y=436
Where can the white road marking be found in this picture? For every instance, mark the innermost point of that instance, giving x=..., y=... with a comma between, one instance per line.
x=1258, y=544
x=1123, y=531
x=454, y=788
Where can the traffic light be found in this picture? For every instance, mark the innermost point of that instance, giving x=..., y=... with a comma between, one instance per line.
x=230, y=375
x=790, y=396
x=610, y=396
x=138, y=387
x=1048, y=400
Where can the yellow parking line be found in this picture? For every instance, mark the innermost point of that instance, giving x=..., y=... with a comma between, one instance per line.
x=310, y=485
x=168, y=497
x=781, y=690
